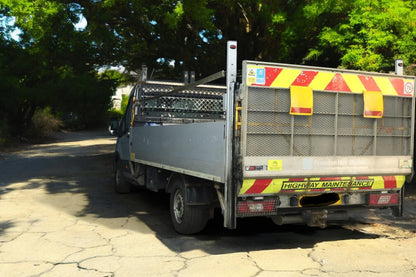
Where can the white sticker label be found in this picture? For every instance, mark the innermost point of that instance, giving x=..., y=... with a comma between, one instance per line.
x=408, y=88
x=256, y=75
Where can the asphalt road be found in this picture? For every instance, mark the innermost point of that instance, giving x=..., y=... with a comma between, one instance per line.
x=60, y=216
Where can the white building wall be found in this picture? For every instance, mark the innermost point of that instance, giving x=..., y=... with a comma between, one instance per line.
x=116, y=98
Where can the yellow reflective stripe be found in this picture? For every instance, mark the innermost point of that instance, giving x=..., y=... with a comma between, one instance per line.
x=354, y=83
x=285, y=78
x=385, y=86
x=321, y=80
x=400, y=180
x=275, y=186
x=378, y=182
x=246, y=185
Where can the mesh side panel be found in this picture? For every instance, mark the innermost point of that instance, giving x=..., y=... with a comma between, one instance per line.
x=276, y=145
x=313, y=145
x=392, y=145
x=317, y=124
x=354, y=146
x=197, y=103
x=394, y=106
x=350, y=104
x=355, y=125
x=271, y=100
x=269, y=123
x=323, y=102
x=332, y=127
x=393, y=127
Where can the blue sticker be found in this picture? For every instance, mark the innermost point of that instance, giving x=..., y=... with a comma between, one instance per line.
x=260, y=76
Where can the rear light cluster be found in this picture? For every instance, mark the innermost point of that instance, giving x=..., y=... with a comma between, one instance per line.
x=256, y=207
x=383, y=199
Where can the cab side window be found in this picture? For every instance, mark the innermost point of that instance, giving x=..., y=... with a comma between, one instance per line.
x=125, y=122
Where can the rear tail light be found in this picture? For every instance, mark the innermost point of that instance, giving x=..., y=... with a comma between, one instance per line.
x=263, y=206
x=384, y=199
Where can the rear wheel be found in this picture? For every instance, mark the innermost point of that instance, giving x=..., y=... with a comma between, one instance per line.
x=186, y=219
x=120, y=183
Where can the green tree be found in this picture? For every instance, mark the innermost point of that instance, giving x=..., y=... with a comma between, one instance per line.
x=53, y=65
x=374, y=34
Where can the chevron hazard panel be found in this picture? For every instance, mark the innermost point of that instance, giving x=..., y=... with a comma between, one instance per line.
x=276, y=77
x=308, y=185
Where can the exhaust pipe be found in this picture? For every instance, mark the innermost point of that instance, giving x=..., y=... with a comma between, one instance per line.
x=288, y=219
x=311, y=218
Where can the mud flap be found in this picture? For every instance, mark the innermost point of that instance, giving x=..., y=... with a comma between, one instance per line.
x=398, y=210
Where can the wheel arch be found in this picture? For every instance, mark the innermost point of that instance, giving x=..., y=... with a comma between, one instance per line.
x=197, y=191
x=172, y=179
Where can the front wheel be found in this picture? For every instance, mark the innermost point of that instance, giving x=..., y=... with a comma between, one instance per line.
x=186, y=219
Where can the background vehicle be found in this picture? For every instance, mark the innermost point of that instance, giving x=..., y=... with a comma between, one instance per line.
x=296, y=144
x=113, y=126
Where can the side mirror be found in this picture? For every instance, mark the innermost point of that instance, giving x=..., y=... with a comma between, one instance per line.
x=113, y=127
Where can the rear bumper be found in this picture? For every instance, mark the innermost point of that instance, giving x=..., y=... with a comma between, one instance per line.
x=299, y=202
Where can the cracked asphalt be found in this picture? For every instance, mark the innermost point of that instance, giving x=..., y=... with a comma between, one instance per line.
x=60, y=216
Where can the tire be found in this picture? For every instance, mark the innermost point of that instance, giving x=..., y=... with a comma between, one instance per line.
x=186, y=219
x=121, y=185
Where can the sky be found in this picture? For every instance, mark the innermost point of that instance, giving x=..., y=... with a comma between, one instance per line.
x=9, y=21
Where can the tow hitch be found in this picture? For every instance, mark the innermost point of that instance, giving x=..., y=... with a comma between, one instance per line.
x=313, y=218
x=317, y=218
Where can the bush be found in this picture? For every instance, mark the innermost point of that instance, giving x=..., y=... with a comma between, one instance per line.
x=410, y=70
x=114, y=114
x=124, y=103
x=44, y=123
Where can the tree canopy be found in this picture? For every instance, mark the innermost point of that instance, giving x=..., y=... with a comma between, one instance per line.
x=59, y=64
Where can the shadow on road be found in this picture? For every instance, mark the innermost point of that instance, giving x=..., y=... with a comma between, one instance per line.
x=82, y=175
x=3, y=226
x=251, y=234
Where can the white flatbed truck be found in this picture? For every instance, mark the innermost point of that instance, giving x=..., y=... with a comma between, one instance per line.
x=298, y=144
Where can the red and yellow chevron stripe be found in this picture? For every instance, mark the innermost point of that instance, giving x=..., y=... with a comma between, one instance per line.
x=276, y=77
x=303, y=185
